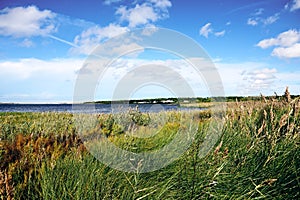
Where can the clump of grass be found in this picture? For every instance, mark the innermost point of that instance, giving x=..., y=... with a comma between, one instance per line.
x=257, y=155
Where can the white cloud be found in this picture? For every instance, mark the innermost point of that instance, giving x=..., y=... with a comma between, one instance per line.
x=35, y=80
x=171, y=72
x=163, y=4
x=26, y=43
x=145, y=13
x=206, y=30
x=286, y=6
x=220, y=34
x=270, y=20
x=49, y=77
x=287, y=42
x=287, y=52
x=295, y=5
x=253, y=78
x=252, y=22
x=149, y=30
x=259, y=77
x=31, y=67
x=250, y=78
x=264, y=74
x=109, y=2
x=285, y=39
x=266, y=43
x=26, y=22
x=259, y=11
x=140, y=15
x=89, y=39
x=130, y=48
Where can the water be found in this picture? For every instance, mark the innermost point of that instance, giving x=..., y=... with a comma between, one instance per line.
x=87, y=108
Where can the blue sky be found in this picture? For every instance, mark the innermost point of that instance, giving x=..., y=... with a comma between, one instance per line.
x=255, y=45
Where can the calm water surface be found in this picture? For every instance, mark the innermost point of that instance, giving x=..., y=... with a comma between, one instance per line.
x=87, y=108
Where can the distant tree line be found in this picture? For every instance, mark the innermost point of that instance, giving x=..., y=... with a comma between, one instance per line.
x=181, y=100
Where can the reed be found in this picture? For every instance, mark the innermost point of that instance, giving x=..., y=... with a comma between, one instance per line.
x=257, y=156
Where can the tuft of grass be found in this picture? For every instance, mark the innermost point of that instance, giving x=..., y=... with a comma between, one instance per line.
x=43, y=155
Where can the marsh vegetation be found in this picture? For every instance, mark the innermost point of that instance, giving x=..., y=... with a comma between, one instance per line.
x=256, y=156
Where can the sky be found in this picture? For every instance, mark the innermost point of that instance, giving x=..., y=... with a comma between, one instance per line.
x=44, y=45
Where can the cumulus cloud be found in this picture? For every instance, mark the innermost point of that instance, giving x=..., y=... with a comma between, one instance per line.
x=145, y=13
x=48, y=76
x=130, y=48
x=287, y=44
x=259, y=11
x=26, y=43
x=109, y=2
x=255, y=81
x=266, y=43
x=89, y=39
x=286, y=39
x=33, y=80
x=287, y=52
x=252, y=22
x=206, y=30
x=259, y=79
x=295, y=5
x=270, y=20
x=256, y=78
x=26, y=22
x=163, y=4
x=220, y=34
x=149, y=30
x=256, y=18
x=31, y=67
x=140, y=15
x=157, y=71
x=262, y=74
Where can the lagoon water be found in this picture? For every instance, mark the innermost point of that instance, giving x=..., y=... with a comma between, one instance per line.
x=87, y=108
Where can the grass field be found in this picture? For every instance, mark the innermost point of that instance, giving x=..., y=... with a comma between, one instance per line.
x=256, y=157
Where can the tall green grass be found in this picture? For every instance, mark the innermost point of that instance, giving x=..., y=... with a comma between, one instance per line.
x=256, y=157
